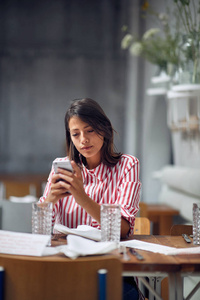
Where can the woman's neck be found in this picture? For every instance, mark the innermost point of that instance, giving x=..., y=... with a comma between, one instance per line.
x=92, y=163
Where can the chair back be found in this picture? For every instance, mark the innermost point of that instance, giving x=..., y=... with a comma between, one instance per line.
x=142, y=226
x=17, y=189
x=15, y=216
x=143, y=209
x=58, y=277
x=179, y=229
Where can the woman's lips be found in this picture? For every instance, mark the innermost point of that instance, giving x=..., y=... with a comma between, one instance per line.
x=86, y=148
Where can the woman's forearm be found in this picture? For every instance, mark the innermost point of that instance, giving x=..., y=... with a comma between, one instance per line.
x=93, y=209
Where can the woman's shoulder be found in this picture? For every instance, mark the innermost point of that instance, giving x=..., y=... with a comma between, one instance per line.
x=128, y=159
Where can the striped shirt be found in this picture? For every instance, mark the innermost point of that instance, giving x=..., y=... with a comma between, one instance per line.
x=119, y=184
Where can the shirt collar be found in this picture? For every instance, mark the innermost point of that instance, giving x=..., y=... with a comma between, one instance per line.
x=100, y=172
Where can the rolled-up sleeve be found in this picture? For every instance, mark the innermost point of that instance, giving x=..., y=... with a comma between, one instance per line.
x=129, y=193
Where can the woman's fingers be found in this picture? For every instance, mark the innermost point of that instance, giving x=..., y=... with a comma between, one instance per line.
x=76, y=168
x=65, y=182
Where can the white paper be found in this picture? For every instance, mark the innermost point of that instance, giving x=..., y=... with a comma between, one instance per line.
x=82, y=230
x=185, y=251
x=148, y=246
x=18, y=243
x=156, y=248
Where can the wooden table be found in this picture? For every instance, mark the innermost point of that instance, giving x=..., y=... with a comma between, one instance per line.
x=154, y=264
x=157, y=266
x=161, y=215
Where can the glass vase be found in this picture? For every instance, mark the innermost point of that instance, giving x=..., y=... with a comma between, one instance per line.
x=189, y=69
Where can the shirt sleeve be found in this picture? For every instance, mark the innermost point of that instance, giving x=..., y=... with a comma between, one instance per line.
x=129, y=193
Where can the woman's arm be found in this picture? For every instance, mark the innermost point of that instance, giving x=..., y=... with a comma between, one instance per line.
x=72, y=182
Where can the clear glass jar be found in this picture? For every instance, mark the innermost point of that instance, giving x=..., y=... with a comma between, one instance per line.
x=110, y=222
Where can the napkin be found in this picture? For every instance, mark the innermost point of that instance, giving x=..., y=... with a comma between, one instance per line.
x=86, y=231
x=79, y=246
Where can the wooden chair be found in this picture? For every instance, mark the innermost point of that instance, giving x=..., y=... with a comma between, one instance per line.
x=18, y=189
x=50, y=278
x=178, y=229
x=142, y=225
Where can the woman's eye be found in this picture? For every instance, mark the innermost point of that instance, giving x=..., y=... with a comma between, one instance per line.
x=74, y=134
x=91, y=130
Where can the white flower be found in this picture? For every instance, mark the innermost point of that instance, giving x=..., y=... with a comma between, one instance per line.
x=151, y=32
x=136, y=48
x=163, y=17
x=126, y=41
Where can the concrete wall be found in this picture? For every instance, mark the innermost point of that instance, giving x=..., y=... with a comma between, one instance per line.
x=52, y=52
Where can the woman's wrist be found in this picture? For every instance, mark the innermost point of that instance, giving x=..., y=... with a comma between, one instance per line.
x=49, y=198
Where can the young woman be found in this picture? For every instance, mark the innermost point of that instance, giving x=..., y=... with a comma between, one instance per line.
x=100, y=174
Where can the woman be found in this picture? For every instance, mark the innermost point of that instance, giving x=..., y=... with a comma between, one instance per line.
x=100, y=176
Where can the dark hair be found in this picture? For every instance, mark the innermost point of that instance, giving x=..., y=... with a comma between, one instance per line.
x=90, y=112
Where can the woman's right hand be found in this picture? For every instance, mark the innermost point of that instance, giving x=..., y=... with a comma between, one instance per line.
x=57, y=191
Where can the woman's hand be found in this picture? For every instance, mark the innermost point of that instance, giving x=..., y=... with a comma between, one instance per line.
x=57, y=191
x=66, y=182
x=73, y=182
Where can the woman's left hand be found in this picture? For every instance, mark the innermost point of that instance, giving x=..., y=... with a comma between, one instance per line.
x=72, y=182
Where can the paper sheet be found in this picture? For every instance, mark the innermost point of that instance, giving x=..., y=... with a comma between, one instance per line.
x=156, y=248
x=18, y=243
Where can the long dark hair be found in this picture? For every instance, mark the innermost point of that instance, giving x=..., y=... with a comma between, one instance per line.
x=90, y=112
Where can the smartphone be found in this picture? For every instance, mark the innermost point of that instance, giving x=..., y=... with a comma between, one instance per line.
x=66, y=164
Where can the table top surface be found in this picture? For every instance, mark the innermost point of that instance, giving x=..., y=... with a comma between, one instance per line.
x=153, y=262
x=161, y=209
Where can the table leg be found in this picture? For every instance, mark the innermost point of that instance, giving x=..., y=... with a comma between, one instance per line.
x=179, y=286
x=152, y=284
x=151, y=287
x=172, y=286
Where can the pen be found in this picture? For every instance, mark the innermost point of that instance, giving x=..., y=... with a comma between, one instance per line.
x=133, y=252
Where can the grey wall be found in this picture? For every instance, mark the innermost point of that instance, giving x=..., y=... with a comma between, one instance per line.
x=52, y=52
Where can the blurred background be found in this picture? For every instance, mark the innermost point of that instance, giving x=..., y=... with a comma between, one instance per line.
x=54, y=51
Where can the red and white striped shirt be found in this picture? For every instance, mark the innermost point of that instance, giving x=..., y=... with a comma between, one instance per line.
x=119, y=184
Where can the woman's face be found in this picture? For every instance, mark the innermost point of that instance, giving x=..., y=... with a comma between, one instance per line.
x=86, y=140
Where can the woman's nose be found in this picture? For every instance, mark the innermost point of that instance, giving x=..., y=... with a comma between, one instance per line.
x=84, y=138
